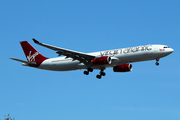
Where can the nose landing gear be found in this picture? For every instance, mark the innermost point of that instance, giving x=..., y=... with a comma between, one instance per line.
x=157, y=63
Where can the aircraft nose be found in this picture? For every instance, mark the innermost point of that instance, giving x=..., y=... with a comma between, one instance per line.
x=171, y=50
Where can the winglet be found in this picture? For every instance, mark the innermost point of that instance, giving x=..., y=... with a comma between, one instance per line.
x=35, y=41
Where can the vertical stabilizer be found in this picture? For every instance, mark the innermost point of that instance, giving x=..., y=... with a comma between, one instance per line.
x=32, y=54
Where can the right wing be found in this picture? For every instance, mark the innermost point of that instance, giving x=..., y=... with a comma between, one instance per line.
x=82, y=57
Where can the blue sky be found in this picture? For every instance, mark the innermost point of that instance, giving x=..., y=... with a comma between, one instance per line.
x=148, y=92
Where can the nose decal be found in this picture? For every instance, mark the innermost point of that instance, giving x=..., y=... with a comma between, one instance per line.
x=161, y=50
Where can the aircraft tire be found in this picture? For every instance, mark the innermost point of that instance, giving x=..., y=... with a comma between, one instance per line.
x=86, y=72
x=157, y=63
x=103, y=73
x=90, y=69
x=98, y=76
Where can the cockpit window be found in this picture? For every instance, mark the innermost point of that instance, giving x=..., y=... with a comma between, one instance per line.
x=166, y=47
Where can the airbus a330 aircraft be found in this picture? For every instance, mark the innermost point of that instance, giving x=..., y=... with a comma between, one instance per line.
x=119, y=59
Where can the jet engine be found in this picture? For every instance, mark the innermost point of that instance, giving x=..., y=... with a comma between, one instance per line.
x=123, y=68
x=102, y=60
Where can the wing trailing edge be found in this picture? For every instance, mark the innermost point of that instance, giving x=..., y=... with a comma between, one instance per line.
x=82, y=57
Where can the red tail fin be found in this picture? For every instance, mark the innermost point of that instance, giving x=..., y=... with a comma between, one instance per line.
x=32, y=54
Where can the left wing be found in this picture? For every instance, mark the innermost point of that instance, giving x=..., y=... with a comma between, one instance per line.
x=82, y=57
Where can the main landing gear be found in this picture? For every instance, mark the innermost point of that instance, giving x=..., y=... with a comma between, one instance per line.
x=88, y=70
x=157, y=63
x=102, y=73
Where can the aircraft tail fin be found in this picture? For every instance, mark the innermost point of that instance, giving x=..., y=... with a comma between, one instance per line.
x=32, y=54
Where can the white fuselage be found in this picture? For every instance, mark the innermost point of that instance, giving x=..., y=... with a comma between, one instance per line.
x=118, y=56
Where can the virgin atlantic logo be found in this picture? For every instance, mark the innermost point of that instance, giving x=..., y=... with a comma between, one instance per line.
x=32, y=57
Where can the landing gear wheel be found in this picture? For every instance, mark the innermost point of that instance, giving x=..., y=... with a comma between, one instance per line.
x=157, y=63
x=102, y=73
x=86, y=72
x=98, y=76
x=90, y=69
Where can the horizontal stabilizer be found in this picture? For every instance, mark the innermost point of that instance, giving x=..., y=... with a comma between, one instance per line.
x=27, y=63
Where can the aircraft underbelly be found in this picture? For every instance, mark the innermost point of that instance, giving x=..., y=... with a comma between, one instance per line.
x=60, y=65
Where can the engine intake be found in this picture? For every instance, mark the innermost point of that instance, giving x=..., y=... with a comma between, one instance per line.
x=123, y=68
x=102, y=60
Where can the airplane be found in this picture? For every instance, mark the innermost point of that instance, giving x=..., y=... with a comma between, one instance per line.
x=119, y=59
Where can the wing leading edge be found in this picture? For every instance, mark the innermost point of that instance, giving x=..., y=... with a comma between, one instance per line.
x=82, y=57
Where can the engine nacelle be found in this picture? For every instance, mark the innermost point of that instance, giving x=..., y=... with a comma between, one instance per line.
x=123, y=68
x=102, y=60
